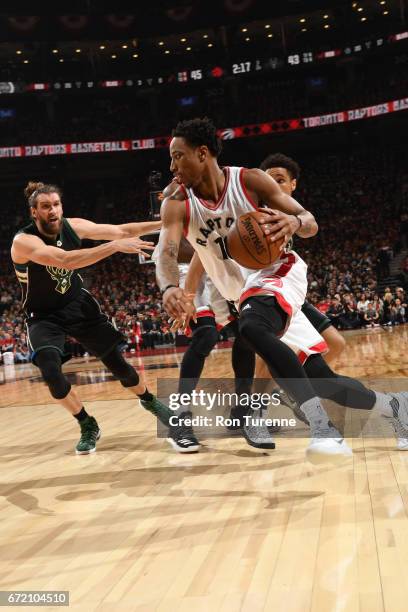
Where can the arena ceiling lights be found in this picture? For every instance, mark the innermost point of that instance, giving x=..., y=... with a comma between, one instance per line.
x=298, y=28
x=198, y=73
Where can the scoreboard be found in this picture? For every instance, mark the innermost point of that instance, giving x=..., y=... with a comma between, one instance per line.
x=199, y=73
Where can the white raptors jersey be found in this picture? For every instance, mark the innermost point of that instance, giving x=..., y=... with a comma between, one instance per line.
x=207, y=224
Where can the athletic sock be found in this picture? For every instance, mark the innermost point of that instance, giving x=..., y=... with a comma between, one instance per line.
x=82, y=415
x=315, y=414
x=146, y=396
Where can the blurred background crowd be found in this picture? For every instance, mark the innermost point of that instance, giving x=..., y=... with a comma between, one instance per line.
x=363, y=228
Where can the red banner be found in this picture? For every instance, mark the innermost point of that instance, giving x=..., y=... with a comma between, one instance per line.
x=244, y=131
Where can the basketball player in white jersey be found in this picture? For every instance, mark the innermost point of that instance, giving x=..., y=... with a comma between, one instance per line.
x=271, y=300
x=213, y=313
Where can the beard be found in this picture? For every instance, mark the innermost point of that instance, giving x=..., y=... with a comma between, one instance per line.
x=50, y=229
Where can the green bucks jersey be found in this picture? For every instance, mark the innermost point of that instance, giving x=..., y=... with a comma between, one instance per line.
x=48, y=288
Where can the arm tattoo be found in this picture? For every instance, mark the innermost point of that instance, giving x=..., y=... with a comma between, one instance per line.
x=172, y=249
x=307, y=228
x=167, y=272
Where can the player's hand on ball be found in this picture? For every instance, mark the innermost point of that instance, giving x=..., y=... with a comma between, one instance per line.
x=133, y=245
x=178, y=303
x=278, y=225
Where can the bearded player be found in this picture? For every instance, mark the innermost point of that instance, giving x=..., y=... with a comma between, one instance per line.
x=47, y=255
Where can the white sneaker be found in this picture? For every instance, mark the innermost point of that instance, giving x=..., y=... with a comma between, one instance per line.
x=402, y=444
x=328, y=450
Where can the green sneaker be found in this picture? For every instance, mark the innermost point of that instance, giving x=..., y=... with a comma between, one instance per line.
x=159, y=410
x=90, y=433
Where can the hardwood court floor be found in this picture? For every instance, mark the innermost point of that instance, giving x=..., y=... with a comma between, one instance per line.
x=139, y=527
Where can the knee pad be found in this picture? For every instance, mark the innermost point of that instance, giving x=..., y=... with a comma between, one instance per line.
x=49, y=362
x=121, y=369
x=203, y=340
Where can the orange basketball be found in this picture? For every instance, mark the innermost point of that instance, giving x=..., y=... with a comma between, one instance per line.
x=248, y=245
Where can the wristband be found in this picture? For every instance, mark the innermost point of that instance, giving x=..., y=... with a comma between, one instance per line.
x=300, y=222
x=163, y=291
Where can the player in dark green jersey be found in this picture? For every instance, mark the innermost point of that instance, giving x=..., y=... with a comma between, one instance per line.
x=47, y=255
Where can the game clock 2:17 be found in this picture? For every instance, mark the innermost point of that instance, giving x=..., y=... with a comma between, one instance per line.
x=241, y=67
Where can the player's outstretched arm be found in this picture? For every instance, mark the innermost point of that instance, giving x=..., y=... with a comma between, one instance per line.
x=31, y=248
x=104, y=231
x=167, y=274
x=285, y=216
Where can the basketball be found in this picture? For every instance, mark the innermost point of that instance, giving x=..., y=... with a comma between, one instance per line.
x=248, y=245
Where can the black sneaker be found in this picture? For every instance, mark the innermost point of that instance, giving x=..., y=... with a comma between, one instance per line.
x=181, y=436
x=90, y=433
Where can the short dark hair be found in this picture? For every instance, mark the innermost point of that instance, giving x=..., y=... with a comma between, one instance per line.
x=34, y=189
x=279, y=160
x=198, y=132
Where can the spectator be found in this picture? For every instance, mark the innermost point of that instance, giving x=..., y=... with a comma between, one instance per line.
x=371, y=316
x=362, y=306
x=350, y=319
x=21, y=353
x=335, y=312
x=398, y=312
x=388, y=303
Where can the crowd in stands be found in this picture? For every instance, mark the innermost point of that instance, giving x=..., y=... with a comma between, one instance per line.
x=361, y=204
x=133, y=301
x=13, y=338
x=352, y=311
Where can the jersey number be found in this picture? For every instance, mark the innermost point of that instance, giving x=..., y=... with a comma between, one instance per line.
x=223, y=246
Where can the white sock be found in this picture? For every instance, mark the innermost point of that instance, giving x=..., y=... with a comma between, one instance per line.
x=315, y=413
x=383, y=404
